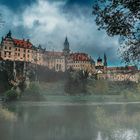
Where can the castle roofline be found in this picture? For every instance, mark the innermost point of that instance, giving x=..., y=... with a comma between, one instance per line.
x=23, y=43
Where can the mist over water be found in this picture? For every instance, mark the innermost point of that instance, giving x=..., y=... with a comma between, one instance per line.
x=48, y=121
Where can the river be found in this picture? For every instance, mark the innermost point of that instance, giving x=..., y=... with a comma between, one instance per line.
x=69, y=121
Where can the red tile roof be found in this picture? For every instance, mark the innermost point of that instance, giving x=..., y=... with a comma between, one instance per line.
x=23, y=43
x=79, y=57
x=123, y=68
x=132, y=68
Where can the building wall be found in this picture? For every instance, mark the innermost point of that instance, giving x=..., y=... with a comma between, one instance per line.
x=60, y=64
x=133, y=77
x=124, y=77
x=81, y=65
x=7, y=50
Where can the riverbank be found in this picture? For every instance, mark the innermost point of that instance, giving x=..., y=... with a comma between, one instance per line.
x=96, y=91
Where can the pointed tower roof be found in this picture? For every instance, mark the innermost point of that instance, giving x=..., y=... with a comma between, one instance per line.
x=105, y=56
x=66, y=49
x=9, y=34
x=99, y=59
x=105, y=60
x=66, y=40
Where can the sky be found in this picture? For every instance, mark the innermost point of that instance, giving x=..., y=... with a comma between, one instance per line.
x=48, y=22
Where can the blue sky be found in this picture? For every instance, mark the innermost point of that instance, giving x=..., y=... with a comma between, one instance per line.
x=48, y=22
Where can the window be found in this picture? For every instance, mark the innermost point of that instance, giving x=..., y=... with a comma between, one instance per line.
x=9, y=48
x=28, y=51
x=18, y=54
x=5, y=53
x=9, y=54
x=28, y=55
x=59, y=67
x=19, y=50
x=5, y=47
x=23, y=55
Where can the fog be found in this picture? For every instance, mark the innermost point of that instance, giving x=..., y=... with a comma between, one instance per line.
x=76, y=122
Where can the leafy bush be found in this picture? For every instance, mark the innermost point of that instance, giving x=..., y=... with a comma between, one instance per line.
x=34, y=89
x=11, y=95
x=128, y=94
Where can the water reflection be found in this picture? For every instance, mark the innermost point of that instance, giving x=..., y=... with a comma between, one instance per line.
x=22, y=121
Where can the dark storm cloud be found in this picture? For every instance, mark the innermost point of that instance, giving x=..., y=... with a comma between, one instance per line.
x=80, y=2
x=73, y=2
x=47, y=21
x=16, y=4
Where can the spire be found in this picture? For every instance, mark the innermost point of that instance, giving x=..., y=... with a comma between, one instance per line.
x=9, y=34
x=66, y=49
x=66, y=43
x=99, y=59
x=66, y=40
x=105, y=60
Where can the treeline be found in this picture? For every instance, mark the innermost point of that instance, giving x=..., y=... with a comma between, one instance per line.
x=44, y=74
x=80, y=83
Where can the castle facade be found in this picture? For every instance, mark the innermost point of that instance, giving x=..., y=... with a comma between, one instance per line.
x=12, y=49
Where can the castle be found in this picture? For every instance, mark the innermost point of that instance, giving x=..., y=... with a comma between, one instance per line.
x=12, y=49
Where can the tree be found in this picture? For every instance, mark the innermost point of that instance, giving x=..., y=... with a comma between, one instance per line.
x=121, y=18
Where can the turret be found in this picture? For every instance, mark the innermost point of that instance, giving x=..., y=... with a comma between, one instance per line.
x=66, y=49
x=9, y=35
x=105, y=60
x=99, y=62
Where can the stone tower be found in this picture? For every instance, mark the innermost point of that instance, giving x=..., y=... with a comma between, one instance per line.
x=66, y=49
x=99, y=61
x=105, y=60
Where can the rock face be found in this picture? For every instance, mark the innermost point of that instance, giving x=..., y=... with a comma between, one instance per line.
x=4, y=85
x=13, y=76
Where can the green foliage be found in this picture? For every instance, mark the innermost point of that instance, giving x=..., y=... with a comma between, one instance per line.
x=76, y=82
x=11, y=95
x=129, y=95
x=34, y=89
x=138, y=87
x=121, y=18
x=99, y=87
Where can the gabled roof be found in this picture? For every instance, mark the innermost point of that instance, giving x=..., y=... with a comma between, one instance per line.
x=22, y=43
x=79, y=57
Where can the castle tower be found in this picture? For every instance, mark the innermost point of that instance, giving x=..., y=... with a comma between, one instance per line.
x=105, y=60
x=105, y=63
x=66, y=49
x=99, y=61
x=9, y=35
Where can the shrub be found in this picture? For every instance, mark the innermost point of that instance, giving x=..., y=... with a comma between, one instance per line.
x=11, y=95
x=34, y=89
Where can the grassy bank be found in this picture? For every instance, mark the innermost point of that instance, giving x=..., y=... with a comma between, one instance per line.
x=95, y=91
